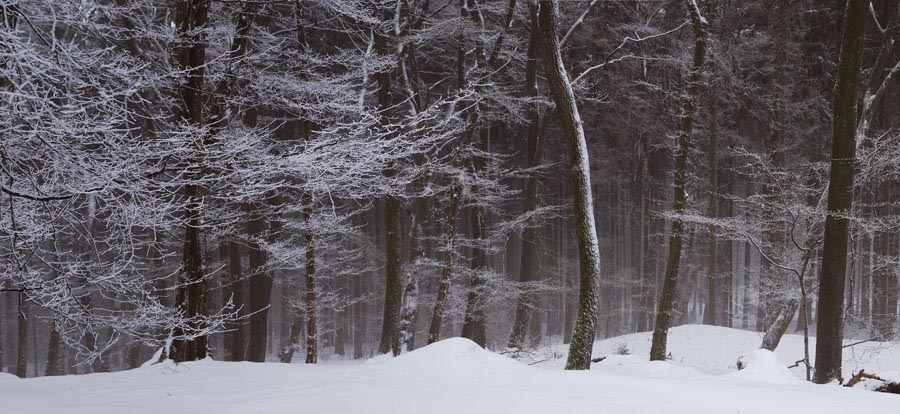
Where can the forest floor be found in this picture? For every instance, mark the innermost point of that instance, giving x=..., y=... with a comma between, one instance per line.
x=456, y=376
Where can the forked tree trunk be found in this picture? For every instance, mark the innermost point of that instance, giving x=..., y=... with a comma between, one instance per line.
x=585, y=228
x=830, y=322
x=667, y=296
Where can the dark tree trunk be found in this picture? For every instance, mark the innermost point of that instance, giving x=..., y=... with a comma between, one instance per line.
x=830, y=323
x=884, y=278
x=341, y=317
x=359, y=324
x=260, y=286
x=312, y=344
x=286, y=354
x=390, y=326
x=585, y=228
x=437, y=316
x=712, y=289
x=22, y=349
x=191, y=20
x=393, y=287
x=474, y=319
x=529, y=252
x=54, y=352
x=235, y=339
x=667, y=296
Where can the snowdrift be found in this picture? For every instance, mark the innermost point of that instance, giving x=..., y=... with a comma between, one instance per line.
x=762, y=366
x=453, y=376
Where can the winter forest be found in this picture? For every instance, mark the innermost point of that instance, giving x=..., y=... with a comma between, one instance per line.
x=449, y=205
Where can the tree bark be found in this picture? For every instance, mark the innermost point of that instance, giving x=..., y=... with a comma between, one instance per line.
x=437, y=316
x=830, y=322
x=312, y=344
x=585, y=228
x=884, y=278
x=533, y=147
x=23, y=315
x=393, y=288
x=260, y=286
x=780, y=325
x=712, y=290
x=54, y=353
x=235, y=340
x=191, y=19
x=359, y=324
x=667, y=297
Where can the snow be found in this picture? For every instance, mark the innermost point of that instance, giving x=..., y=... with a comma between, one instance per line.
x=456, y=376
x=762, y=366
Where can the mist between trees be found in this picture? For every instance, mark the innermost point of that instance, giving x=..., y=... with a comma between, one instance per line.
x=261, y=180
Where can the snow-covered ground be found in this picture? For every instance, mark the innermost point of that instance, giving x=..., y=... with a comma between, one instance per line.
x=456, y=376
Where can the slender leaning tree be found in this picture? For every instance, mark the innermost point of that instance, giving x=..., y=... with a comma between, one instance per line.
x=667, y=298
x=585, y=229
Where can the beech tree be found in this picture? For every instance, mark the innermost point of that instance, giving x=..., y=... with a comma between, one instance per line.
x=829, y=326
x=582, y=203
x=667, y=295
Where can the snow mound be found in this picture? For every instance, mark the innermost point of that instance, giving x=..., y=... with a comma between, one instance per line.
x=762, y=366
x=452, y=354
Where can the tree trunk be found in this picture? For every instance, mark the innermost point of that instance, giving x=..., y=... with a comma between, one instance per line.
x=533, y=146
x=780, y=325
x=884, y=278
x=312, y=344
x=474, y=319
x=408, y=313
x=54, y=353
x=235, y=340
x=712, y=291
x=260, y=286
x=830, y=322
x=585, y=228
x=437, y=316
x=359, y=324
x=191, y=20
x=286, y=355
x=341, y=317
x=22, y=349
x=667, y=297
x=393, y=289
